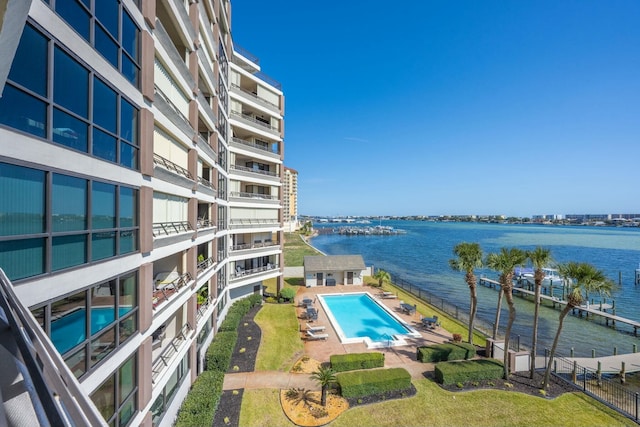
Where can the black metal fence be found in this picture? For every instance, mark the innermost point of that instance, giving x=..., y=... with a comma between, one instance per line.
x=606, y=388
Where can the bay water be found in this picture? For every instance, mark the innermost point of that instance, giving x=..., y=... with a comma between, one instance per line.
x=421, y=257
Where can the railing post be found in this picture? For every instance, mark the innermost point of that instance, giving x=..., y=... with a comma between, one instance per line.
x=637, y=405
x=584, y=379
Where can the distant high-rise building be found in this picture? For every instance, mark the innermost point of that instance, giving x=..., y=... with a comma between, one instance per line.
x=290, y=202
x=141, y=159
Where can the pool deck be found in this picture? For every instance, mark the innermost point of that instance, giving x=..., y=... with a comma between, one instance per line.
x=396, y=356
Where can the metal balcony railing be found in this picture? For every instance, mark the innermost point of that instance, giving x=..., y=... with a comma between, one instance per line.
x=245, y=246
x=170, y=166
x=246, y=195
x=168, y=228
x=260, y=145
x=170, y=351
x=249, y=118
x=252, y=222
x=203, y=308
x=252, y=170
x=241, y=272
x=205, y=264
x=205, y=223
x=168, y=290
x=205, y=183
x=255, y=97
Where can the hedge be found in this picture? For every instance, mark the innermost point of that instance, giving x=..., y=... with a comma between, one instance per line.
x=468, y=370
x=446, y=352
x=366, y=383
x=218, y=357
x=199, y=407
x=350, y=362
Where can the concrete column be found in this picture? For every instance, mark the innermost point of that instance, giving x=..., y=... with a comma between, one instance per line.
x=146, y=219
x=144, y=374
x=147, y=65
x=145, y=295
x=146, y=142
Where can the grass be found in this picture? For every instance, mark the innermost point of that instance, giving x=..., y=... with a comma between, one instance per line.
x=295, y=249
x=436, y=407
x=261, y=408
x=281, y=343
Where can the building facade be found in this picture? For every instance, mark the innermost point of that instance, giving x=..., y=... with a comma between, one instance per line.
x=290, y=201
x=138, y=198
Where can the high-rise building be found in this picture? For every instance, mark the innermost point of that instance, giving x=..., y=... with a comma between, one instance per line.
x=140, y=188
x=290, y=201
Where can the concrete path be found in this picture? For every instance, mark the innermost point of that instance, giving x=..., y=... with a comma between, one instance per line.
x=267, y=379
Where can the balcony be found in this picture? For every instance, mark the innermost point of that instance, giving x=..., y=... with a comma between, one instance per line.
x=252, y=121
x=168, y=288
x=203, y=308
x=205, y=223
x=170, y=352
x=205, y=264
x=241, y=273
x=252, y=223
x=171, y=167
x=254, y=97
x=169, y=228
x=253, y=196
x=254, y=171
x=205, y=183
x=261, y=147
x=255, y=245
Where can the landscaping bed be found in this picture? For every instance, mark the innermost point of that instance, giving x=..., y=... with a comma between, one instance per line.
x=244, y=358
x=519, y=382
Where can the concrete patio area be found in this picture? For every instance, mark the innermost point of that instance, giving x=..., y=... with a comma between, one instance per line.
x=403, y=356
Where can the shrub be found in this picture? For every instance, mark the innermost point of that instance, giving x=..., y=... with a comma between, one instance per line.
x=219, y=353
x=468, y=370
x=288, y=294
x=366, y=383
x=350, y=362
x=446, y=352
x=457, y=338
x=199, y=407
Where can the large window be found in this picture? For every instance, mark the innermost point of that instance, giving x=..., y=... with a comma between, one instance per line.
x=87, y=326
x=115, y=34
x=79, y=110
x=83, y=221
x=116, y=397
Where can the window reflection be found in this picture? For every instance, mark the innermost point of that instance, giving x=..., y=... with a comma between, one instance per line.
x=23, y=112
x=69, y=131
x=70, y=83
x=29, y=66
x=103, y=345
x=68, y=322
x=103, y=306
x=69, y=204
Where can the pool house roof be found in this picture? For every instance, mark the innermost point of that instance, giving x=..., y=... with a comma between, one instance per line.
x=334, y=263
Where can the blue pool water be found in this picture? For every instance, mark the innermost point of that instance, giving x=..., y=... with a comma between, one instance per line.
x=69, y=330
x=359, y=316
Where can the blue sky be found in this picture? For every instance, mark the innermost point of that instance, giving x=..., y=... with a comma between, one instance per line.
x=455, y=107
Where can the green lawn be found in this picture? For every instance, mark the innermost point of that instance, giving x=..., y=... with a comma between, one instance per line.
x=280, y=345
x=295, y=249
x=432, y=406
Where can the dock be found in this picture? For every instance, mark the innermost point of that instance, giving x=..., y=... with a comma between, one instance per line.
x=597, y=309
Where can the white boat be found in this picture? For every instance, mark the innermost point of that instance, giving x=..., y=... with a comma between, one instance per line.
x=551, y=277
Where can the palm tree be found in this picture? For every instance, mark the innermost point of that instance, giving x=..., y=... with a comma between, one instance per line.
x=504, y=263
x=324, y=376
x=469, y=258
x=496, y=323
x=540, y=258
x=382, y=277
x=585, y=278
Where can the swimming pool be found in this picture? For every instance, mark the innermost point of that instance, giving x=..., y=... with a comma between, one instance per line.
x=358, y=317
x=69, y=330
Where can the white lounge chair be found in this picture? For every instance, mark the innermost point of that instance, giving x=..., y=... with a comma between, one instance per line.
x=318, y=328
x=313, y=336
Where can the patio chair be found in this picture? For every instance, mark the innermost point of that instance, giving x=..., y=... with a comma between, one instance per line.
x=313, y=336
x=318, y=328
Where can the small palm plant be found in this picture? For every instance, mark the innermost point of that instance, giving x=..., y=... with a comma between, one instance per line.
x=324, y=376
x=382, y=277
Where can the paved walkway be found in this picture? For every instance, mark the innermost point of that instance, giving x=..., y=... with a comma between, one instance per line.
x=321, y=350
